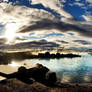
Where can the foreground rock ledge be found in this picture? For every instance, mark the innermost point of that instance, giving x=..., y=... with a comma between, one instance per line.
x=14, y=85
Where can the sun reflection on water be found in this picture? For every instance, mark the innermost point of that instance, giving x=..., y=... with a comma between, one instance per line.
x=14, y=64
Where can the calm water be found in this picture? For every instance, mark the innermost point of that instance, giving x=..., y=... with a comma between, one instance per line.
x=75, y=70
x=69, y=70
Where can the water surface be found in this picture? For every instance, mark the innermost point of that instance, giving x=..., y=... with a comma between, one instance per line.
x=73, y=70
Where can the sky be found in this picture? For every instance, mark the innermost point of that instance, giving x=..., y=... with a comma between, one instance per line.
x=45, y=24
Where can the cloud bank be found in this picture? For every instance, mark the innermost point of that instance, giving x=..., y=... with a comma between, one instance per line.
x=32, y=25
x=54, y=5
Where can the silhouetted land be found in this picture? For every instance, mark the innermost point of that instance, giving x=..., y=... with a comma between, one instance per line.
x=14, y=85
x=57, y=55
x=38, y=73
x=8, y=57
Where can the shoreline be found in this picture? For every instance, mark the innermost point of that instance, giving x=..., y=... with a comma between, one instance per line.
x=14, y=85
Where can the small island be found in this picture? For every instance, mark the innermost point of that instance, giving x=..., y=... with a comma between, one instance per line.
x=53, y=56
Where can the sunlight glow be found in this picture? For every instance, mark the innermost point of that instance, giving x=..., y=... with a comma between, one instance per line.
x=10, y=32
x=14, y=64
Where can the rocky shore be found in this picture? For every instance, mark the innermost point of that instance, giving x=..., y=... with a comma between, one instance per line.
x=14, y=85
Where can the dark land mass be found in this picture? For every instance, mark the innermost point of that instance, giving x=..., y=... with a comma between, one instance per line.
x=14, y=85
x=6, y=58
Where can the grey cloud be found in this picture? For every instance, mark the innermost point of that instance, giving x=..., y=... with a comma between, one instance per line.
x=21, y=39
x=41, y=43
x=2, y=41
x=63, y=42
x=61, y=26
x=82, y=42
x=32, y=44
x=27, y=13
x=86, y=27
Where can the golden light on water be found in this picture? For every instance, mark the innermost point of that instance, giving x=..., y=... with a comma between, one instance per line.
x=14, y=64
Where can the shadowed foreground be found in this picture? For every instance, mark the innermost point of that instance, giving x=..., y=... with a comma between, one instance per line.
x=37, y=73
x=47, y=82
x=14, y=85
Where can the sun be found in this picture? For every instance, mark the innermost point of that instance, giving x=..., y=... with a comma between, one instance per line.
x=10, y=32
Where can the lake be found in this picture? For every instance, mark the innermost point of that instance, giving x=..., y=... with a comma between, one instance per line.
x=69, y=70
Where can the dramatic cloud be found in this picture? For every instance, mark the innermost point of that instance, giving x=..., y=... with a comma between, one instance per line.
x=87, y=18
x=54, y=5
x=2, y=41
x=63, y=42
x=90, y=1
x=22, y=15
x=48, y=24
x=29, y=26
x=83, y=42
x=31, y=45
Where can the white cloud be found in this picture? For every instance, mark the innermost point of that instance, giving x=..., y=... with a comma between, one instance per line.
x=24, y=16
x=63, y=1
x=5, y=0
x=89, y=1
x=21, y=15
x=79, y=4
x=55, y=5
x=77, y=0
x=87, y=18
